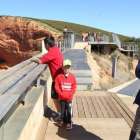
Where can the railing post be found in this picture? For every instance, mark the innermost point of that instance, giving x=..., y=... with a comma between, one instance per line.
x=60, y=45
x=37, y=82
x=133, y=54
x=57, y=44
x=1, y=130
x=45, y=93
x=64, y=45
x=114, y=67
x=69, y=43
x=26, y=99
x=72, y=41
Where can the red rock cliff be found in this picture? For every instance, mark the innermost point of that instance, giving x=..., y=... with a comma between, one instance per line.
x=18, y=40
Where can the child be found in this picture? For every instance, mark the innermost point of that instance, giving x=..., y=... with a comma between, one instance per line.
x=65, y=85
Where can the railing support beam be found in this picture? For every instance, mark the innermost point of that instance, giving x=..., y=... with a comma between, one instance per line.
x=114, y=67
x=1, y=130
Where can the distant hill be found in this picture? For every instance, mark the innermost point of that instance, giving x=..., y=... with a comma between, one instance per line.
x=76, y=28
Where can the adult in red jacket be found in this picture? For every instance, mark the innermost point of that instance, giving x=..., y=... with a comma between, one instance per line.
x=54, y=59
x=65, y=85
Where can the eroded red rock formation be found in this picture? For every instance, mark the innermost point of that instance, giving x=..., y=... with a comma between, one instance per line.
x=19, y=40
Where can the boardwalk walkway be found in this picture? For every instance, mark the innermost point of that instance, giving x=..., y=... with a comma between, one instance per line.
x=131, y=89
x=97, y=115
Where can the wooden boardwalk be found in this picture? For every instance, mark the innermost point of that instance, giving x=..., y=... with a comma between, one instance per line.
x=97, y=115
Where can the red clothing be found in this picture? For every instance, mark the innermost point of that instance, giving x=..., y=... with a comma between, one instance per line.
x=97, y=37
x=65, y=87
x=54, y=59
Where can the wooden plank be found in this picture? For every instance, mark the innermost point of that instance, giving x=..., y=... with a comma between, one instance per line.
x=101, y=105
x=124, y=114
x=12, y=70
x=80, y=107
x=86, y=107
x=11, y=80
x=75, y=109
x=91, y=107
x=97, y=108
x=19, y=89
x=113, y=107
x=91, y=129
x=123, y=105
x=17, y=67
x=44, y=124
x=108, y=108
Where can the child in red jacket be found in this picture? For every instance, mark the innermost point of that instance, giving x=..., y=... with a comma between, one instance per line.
x=65, y=85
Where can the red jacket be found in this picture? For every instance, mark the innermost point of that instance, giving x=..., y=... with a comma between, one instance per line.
x=54, y=59
x=65, y=87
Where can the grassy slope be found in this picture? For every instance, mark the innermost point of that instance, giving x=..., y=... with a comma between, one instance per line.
x=58, y=26
x=77, y=28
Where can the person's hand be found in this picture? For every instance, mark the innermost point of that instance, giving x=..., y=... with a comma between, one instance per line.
x=32, y=60
x=36, y=60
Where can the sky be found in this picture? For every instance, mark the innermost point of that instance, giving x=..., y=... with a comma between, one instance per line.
x=118, y=16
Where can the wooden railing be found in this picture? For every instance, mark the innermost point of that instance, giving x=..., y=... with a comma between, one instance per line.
x=106, y=38
x=130, y=47
x=124, y=47
x=24, y=94
x=116, y=40
x=15, y=86
x=63, y=44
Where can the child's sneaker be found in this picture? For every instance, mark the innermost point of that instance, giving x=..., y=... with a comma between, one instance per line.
x=61, y=123
x=69, y=126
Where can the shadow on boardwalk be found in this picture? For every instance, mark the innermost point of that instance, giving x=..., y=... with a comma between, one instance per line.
x=77, y=133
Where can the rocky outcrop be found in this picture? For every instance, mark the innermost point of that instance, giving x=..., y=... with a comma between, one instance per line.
x=19, y=40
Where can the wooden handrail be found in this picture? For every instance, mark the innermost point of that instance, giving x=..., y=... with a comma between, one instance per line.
x=15, y=83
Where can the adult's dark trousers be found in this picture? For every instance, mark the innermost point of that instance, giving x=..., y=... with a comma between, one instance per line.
x=136, y=125
x=66, y=111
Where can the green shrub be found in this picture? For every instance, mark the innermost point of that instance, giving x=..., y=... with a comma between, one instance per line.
x=27, y=23
x=130, y=64
x=103, y=86
x=89, y=87
x=115, y=54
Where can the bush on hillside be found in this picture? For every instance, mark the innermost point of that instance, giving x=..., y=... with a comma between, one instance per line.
x=115, y=54
x=124, y=65
x=130, y=64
